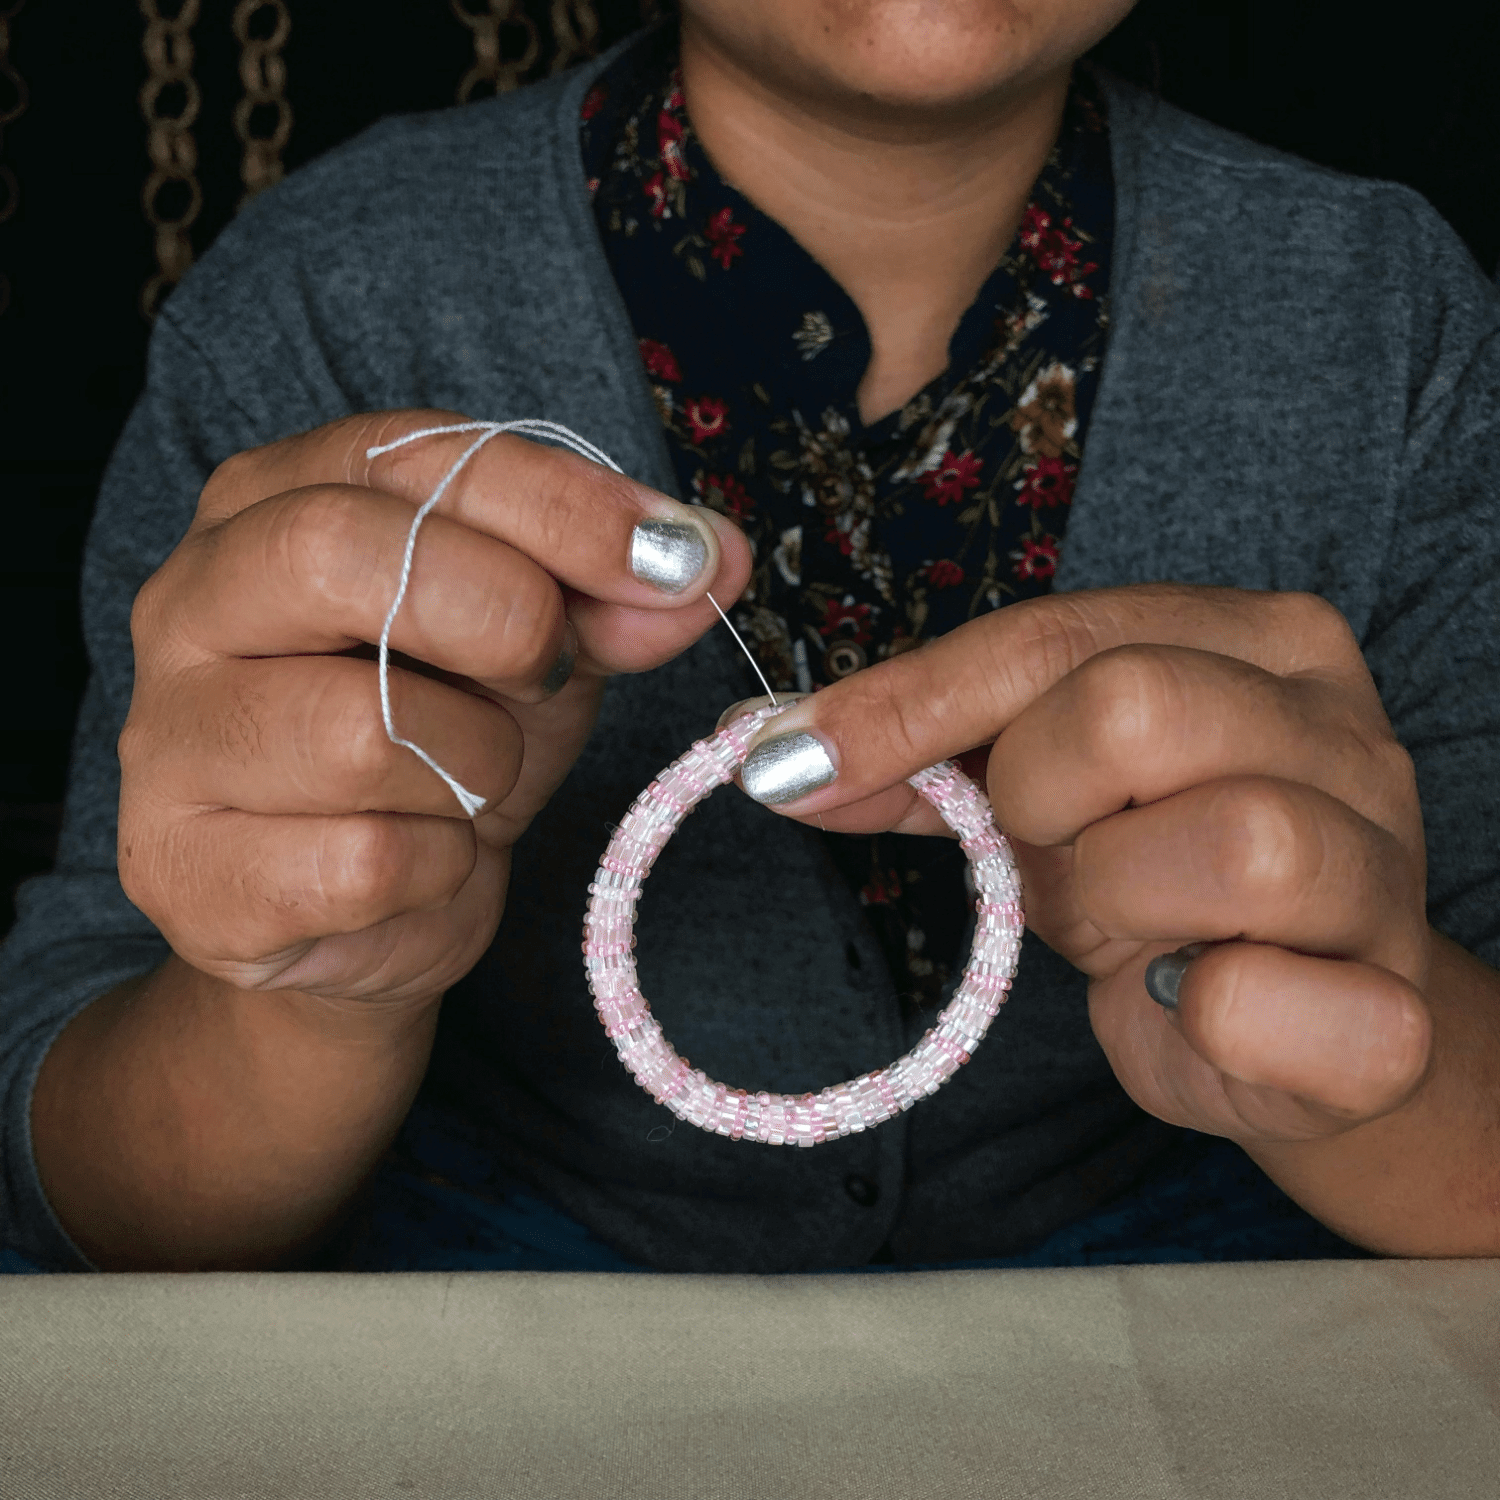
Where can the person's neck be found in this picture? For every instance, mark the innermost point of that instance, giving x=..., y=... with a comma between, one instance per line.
x=908, y=216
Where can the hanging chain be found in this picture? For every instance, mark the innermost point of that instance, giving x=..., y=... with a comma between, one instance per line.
x=575, y=28
x=14, y=97
x=491, y=73
x=263, y=72
x=168, y=47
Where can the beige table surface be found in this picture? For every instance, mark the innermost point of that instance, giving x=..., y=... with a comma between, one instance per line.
x=1315, y=1381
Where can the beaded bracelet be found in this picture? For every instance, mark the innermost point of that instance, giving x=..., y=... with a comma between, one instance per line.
x=845, y=1108
x=608, y=928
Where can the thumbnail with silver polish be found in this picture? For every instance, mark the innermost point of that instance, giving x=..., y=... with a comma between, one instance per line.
x=668, y=554
x=787, y=767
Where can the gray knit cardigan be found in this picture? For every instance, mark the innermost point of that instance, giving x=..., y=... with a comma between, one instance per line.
x=1300, y=392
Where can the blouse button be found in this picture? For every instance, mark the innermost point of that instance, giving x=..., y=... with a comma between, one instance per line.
x=862, y=1190
x=844, y=659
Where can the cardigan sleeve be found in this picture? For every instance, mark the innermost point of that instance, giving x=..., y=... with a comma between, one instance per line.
x=367, y=280
x=1433, y=638
x=77, y=936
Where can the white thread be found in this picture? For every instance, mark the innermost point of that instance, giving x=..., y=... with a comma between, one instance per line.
x=740, y=642
x=539, y=427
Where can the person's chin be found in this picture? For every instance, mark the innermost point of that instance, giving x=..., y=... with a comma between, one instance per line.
x=920, y=56
x=935, y=92
x=892, y=62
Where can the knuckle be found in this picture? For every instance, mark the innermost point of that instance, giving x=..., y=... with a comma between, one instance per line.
x=1314, y=624
x=228, y=481
x=400, y=468
x=1056, y=637
x=905, y=719
x=148, y=611
x=499, y=741
x=135, y=742
x=135, y=866
x=358, y=434
x=154, y=866
x=365, y=866
x=556, y=501
x=1380, y=779
x=563, y=482
x=143, y=893
x=1395, y=767
x=445, y=877
x=525, y=628
x=1127, y=694
x=363, y=749
x=318, y=535
x=1264, y=846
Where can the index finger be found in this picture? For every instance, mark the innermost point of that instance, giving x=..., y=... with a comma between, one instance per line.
x=854, y=740
x=590, y=527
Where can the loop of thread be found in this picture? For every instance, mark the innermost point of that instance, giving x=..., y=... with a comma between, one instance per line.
x=534, y=427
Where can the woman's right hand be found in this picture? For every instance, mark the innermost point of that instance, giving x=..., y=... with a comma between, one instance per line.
x=268, y=826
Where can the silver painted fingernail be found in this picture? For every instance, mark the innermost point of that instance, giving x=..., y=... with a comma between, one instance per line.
x=667, y=554
x=1164, y=974
x=786, y=767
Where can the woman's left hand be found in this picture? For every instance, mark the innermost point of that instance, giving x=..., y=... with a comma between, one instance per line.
x=1174, y=766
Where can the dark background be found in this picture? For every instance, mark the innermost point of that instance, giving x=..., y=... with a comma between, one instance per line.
x=1326, y=81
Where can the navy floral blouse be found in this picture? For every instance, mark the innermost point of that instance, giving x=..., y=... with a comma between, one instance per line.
x=868, y=540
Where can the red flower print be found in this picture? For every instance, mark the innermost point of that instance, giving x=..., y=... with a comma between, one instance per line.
x=669, y=134
x=722, y=234
x=593, y=101
x=736, y=497
x=883, y=889
x=656, y=190
x=1055, y=250
x=660, y=361
x=1036, y=559
x=707, y=416
x=838, y=615
x=953, y=475
x=840, y=537
x=1035, y=222
x=944, y=574
x=1047, y=481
